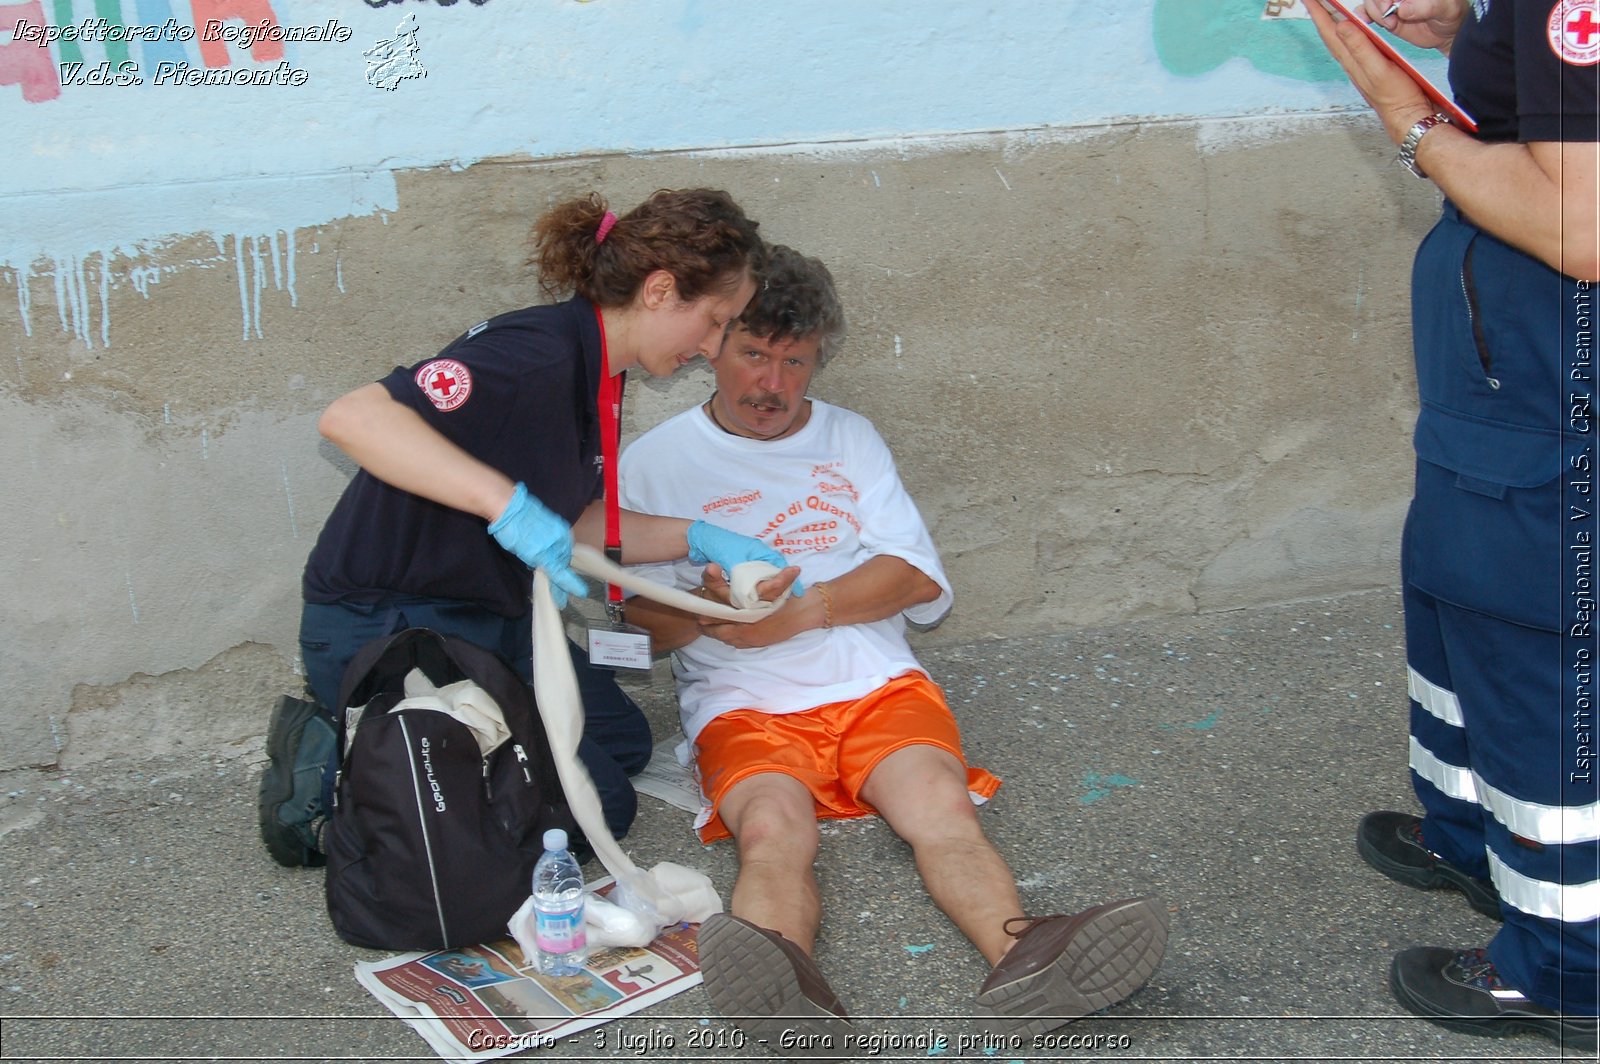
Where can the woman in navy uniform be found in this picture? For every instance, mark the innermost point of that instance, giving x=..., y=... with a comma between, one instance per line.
x=1498, y=549
x=477, y=464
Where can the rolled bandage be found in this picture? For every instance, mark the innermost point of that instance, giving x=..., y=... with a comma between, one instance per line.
x=592, y=563
x=742, y=584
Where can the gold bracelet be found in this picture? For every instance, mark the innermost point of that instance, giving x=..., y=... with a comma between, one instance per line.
x=827, y=604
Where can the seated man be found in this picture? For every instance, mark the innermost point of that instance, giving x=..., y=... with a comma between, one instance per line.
x=832, y=716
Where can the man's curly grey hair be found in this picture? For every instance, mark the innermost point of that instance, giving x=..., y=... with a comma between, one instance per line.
x=795, y=300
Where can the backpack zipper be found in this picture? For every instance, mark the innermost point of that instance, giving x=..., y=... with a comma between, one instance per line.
x=522, y=762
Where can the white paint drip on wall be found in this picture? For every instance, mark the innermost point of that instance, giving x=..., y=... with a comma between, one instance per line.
x=71, y=278
x=251, y=255
x=76, y=231
x=244, y=299
x=105, y=304
x=24, y=300
x=288, y=241
x=277, y=263
x=142, y=277
x=288, y=493
x=257, y=282
x=132, y=604
x=248, y=167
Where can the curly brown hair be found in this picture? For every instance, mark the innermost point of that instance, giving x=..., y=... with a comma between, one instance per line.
x=795, y=300
x=699, y=235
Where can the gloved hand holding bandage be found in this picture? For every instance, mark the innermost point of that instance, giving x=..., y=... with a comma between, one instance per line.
x=538, y=536
x=710, y=543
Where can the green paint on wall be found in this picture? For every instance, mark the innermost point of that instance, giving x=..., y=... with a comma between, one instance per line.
x=1195, y=37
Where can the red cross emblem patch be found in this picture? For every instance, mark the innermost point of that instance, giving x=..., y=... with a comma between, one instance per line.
x=445, y=382
x=1574, y=30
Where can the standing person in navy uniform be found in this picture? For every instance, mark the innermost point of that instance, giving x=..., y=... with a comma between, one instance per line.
x=1497, y=560
x=480, y=463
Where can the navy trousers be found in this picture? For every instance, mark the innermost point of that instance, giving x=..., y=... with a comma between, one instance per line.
x=1498, y=572
x=616, y=740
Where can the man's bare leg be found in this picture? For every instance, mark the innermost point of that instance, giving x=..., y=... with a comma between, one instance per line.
x=757, y=962
x=1061, y=967
x=773, y=819
x=922, y=792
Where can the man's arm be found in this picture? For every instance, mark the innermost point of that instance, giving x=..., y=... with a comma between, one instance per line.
x=669, y=627
x=877, y=588
x=880, y=587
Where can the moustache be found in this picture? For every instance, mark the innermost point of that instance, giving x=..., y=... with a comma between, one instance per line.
x=774, y=401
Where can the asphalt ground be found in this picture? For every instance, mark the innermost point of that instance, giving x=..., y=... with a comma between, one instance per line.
x=1219, y=763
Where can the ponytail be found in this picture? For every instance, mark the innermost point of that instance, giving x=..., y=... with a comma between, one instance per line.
x=699, y=235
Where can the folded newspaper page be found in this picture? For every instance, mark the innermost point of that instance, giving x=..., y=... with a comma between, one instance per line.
x=666, y=778
x=487, y=1001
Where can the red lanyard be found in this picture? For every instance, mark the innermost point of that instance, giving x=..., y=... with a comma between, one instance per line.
x=609, y=402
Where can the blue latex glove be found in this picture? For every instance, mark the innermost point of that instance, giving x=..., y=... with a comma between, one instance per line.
x=528, y=529
x=710, y=543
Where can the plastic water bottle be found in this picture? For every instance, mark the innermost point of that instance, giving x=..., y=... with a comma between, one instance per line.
x=558, y=908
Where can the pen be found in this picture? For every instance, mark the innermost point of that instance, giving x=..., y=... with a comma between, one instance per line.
x=1392, y=9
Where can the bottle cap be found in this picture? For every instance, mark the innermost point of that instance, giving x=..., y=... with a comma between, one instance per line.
x=555, y=839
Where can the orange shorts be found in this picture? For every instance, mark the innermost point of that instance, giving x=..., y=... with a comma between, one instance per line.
x=832, y=749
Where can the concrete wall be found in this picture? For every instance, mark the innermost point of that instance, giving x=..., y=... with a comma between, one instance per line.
x=1128, y=297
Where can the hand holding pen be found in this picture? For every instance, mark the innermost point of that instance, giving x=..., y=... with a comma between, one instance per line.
x=1425, y=23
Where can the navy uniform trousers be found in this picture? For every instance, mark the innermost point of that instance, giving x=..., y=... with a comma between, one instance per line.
x=1499, y=585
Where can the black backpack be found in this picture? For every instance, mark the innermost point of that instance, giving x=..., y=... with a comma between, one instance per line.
x=430, y=844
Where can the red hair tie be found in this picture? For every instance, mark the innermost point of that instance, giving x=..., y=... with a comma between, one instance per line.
x=605, y=227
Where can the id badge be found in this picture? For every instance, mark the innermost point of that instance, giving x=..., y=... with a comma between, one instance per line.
x=621, y=646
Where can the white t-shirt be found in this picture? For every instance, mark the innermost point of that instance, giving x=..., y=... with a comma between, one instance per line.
x=828, y=498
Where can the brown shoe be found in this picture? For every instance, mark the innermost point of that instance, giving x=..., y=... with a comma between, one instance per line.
x=771, y=990
x=1065, y=967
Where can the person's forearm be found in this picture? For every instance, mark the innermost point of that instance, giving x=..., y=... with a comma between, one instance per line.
x=669, y=628
x=877, y=588
x=645, y=537
x=393, y=443
x=1540, y=198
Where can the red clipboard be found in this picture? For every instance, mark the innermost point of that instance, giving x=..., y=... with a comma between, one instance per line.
x=1458, y=117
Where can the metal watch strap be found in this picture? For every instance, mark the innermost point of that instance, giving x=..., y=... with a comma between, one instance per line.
x=1413, y=137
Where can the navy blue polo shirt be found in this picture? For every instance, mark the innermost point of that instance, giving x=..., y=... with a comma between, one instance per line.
x=516, y=392
x=1525, y=70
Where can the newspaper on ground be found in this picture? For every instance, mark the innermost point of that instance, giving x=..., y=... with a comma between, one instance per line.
x=487, y=1001
x=667, y=778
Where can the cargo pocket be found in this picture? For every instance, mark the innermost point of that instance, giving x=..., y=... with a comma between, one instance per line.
x=1488, y=456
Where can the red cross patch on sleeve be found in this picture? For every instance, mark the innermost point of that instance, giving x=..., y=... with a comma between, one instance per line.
x=445, y=382
x=1574, y=30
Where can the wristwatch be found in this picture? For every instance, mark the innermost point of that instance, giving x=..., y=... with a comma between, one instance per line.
x=1413, y=137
